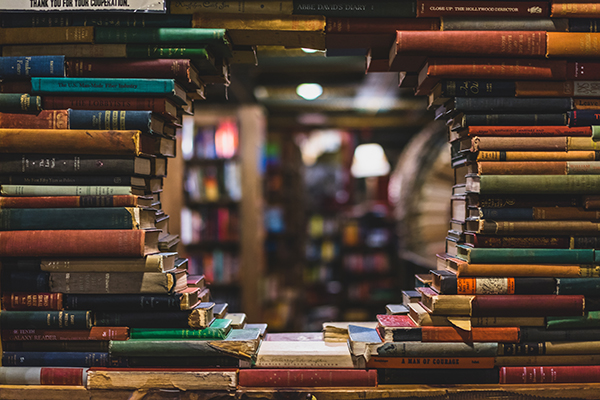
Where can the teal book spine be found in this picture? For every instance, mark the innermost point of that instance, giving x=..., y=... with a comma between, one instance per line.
x=46, y=319
x=591, y=319
x=216, y=39
x=539, y=184
x=13, y=219
x=524, y=256
x=162, y=348
x=586, y=287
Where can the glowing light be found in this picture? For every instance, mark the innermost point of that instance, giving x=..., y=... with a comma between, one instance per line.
x=309, y=91
x=309, y=51
x=226, y=139
x=369, y=160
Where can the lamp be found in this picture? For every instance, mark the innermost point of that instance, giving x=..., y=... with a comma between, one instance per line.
x=369, y=160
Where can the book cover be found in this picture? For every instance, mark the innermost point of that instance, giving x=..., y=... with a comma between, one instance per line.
x=303, y=354
x=160, y=105
x=95, y=333
x=117, y=282
x=437, y=376
x=183, y=300
x=43, y=376
x=440, y=8
x=420, y=349
x=306, y=378
x=550, y=374
x=46, y=319
x=355, y=8
x=91, y=346
x=26, y=67
x=59, y=359
x=75, y=201
x=16, y=301
x=524, y=256
x=378, y=362
x=54, y=34
x=218, y=329
x=20, y=103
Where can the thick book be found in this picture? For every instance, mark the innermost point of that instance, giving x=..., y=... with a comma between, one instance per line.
x=183, y=300
x=159, y=262
x=437, y=376
x=28, y=190
x=550, y=144
x=198, y=317
x=93, y=19
x=20, y=103
x=549, y=348
x=54, y=34
x=62, y=376
x=550, y=360
x=362, y=25
x=476, y=255
x=508, y=23
x=88, y=243
x=464, y=269
x=187, y=362
x=70, y=164
x=542, y=334
x=531, y=228
x=95, y=333
x=420, y=349
x=469, y=8
x=538, y=184
x=574, y=9
x=59, y=359
x=56, y=345
x=160, y=105
x=523, y=131
x=503, y=155
x=571, y=44
x=429, y=334
x=12, y=219
x=218, y=329
x=554, y=242
x=550, y=374
x=27, y=67
x=539, y=214
x=46, y=319
x=108, y=86
x=516, y=105
x=306, y=378
x=378, y=362
x=451, y=284
x=78, y=141
x=76, y=201
x=537, y=168
x=217, y=379
x=303, y=354
x=355, y=8
x=19, y=301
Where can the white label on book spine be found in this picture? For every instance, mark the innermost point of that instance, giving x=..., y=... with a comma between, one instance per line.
x=586, y=89
x=84, y=5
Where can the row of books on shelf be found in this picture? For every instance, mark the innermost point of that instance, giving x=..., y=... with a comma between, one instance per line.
x=213, y=183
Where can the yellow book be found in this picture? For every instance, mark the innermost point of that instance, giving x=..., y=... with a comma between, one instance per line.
x=55, y=34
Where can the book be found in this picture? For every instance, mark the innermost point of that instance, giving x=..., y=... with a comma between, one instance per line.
x=218, y=329
x=184, y=299
x=570, y=44
x=448, y=376
x=549, y=144
x=12, y=219
x=521, y=184
x=160, y=105
x=451, y=284
x=108, y=86
x=91, y=346
x=440, y=8
x=355, y=8
x=20, y=103
x=54, y=34
x=95, y=333
x=549, y=374
x=26, y=67
x=516, y=105
x=43, y=376
x=303, y=354
x=15, y=20
x=46, y=319
x=59, y=359
x=78, y=141
x=556, y=242
x=157, y=378
x=87, y=243
x=135, y=184
x=76, y=201
x=573, y=9
x=142, y=6
x=431, y=362
x=16, y=301
x=420, y=349
x=199, y=317
x=523, y=256
x=537, y=168
x=306, y=378
x=159, y=262
x=514, y=270
x=29, y=190
x=382, y=25
x=429, y=334
x=548, y=348
x=508, y=23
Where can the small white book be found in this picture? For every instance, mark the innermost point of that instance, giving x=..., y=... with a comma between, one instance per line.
x=303, y=354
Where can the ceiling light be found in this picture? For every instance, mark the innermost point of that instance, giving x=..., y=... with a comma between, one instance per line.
x=369, y=160
x=309, y=51
x=309, y=91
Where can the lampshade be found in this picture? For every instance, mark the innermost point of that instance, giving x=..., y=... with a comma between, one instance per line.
x=369, y=160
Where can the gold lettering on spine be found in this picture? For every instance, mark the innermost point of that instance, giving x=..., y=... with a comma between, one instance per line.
x=122, y=119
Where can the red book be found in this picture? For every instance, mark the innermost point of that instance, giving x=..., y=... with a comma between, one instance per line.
x=70, y=201
x=158, y=105
x=476, y=334
x=358, y=40
x=460, y=8
x=379, y=25
x=489, y=68
x=164, y=68
x=44, y=376
x=95, y=333
x=387, y=320
x=527, y=131
x=306, y=377
x=560, y=374
x=468, y=43
x=32, y=301
x=79, y=243
x=526, y=305
x=46, y=119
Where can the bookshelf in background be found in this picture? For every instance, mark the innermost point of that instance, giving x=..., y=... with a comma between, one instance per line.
x=218, y=224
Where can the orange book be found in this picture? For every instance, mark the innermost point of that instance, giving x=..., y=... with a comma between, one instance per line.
x=463, y=268
x=537, y=168
x=46, y=119
x=431, y=362
x=572, y=44
x=508, y=334
x=574, y=9
x=32, y=301
x=566, y=88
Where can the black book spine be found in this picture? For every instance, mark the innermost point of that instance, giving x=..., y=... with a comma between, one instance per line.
x=583, y=25
x=160, y=319
x=45, y=319
x=212, y=361
x=558, y=119
x=535, y=285
x=448, y=285
x=538, y=334
x=517, y=105
x=584, y=117
x=586, y=242
x=477, y=88
x=57, y=345
x=26, y=281
x=122, y=302
x=407, y=334
x=437, y=376
x=20, y=264
x=521, y=349
x=53, y=164
x=60, y=359
x=66, y=180
x=516, y=201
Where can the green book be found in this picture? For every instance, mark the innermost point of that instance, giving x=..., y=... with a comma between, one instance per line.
x=20, y=103
x=218, y=329
x=475, y=255
x=533, y=184
x=216, y=39
x=587, y=287
x=591, y=319
x=120, y=86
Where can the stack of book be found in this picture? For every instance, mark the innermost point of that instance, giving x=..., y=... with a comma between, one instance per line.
x=520, y=271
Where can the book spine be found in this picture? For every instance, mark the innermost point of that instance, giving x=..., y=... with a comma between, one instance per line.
x=154, y=104
x=538, y=214
x=47, y=119
x=32, y=301
x=492, y=68
x=573, y=9
x=116, y=68
x=583, y=117
x=538, y=156
x=110, y=120
x=440, y=8
x=56, y=345
x=419, y=349
x=206, y=333
x=306, y=378
x=198, y=36
x=523, y=256
x=57, y=359
x=26, y=281
x=43, y=376
x=162, y=347
x=489, y=241
x=20, y=103
x=157, y=319
x=538, y=168
x=476, y=88
x=430, y=362
x=585, y=242
x=50, y=164
x=583, y=25
x=542, y=334
x=529, y=130
x=68, y=218
x=68, y=201
x=78, y=180
x=437, y=376
x=516, y=119
x=505, y=285
x=519, y=105
x=74, y=86
x=587, y=287
x=499, y=201
x=111, y=282
x=46, y=319
x=521, y=349
x=525, y=270
x=55, y=34
x=62, y=190
x=233, y=7
x=181, y=362
x=122, y=302
x=580, y=184
x=339, y=25
x=460, y=23
x=355, y=8
x=558, y=374
x=94, y=334
x=571, y=44
x=476, y=334
x=468, y=43
x=88, y=243
x=26, y=67
x=526, y=305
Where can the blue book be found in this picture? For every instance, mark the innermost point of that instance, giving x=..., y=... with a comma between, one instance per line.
x=109, y=119
x=25, y=67
x=110, y=86
x=583, y=118
x=60, y=359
